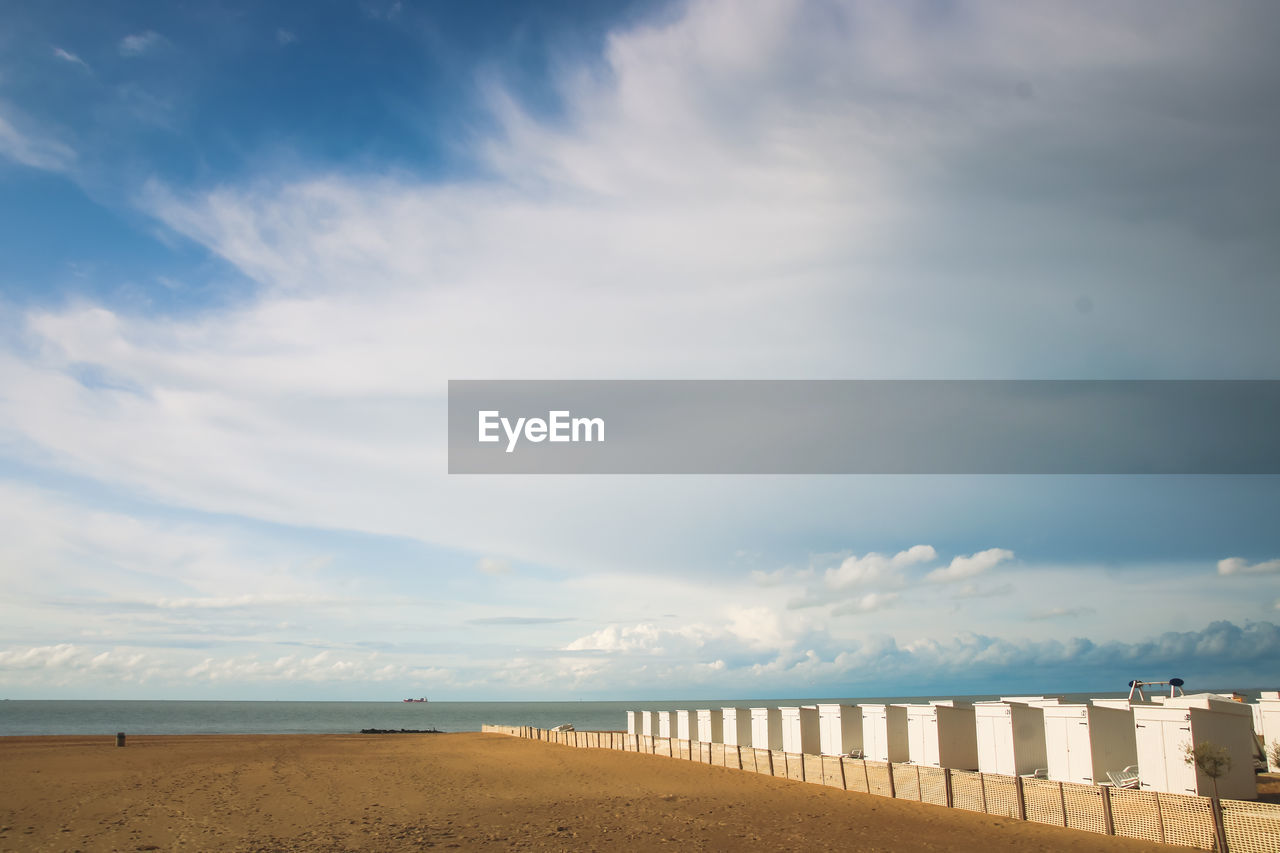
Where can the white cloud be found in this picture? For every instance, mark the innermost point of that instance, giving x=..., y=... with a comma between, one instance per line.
x=137, y=44
x=285, y=37
x=866, y=604
x=962, y=568
x=68, y=56
x=32, y=150
x=758, y=194
x=876, y=568
x=1241, y=566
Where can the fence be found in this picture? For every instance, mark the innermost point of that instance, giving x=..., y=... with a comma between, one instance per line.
x=1229, y=825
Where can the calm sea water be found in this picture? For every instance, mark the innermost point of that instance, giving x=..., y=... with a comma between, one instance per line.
x=31, y=717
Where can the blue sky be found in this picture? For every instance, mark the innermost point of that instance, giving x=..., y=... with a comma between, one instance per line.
x=243, y=247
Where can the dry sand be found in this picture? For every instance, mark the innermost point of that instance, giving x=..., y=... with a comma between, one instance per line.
x=467, y=791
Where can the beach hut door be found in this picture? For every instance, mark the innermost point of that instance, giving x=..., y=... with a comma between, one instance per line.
x=1079, y=752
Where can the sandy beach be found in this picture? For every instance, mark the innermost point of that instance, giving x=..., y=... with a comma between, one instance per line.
x=461, y=791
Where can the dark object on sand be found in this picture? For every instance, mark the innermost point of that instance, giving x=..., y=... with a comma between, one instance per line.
x=119, y=738
x=400, y=731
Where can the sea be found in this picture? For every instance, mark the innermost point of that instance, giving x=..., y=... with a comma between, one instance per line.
x=87, y=717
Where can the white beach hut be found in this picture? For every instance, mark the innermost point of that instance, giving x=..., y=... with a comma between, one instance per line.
x=710, y=726
x=839, y=729
x=1010, y=736
x=683, y=731
x=631, y=722
x=766, y=728
x=942, y=735
x=1163, y=732
x=648, y=723
x=1122, y=704
x=800, y=732
x=1084, y=742
x=737, y=726
x=1033, y=700
x=665, y=729
x=1267, y=723
x=884, y=732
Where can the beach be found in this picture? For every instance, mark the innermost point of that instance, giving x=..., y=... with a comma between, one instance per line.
x=460, y=791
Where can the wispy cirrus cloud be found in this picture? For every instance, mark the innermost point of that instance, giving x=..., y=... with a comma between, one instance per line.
x=136, y=44
x=33, y=149
x=68, y=56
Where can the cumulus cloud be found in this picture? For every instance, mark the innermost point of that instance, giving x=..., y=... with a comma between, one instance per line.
x=645, y=638
x=866, y=604
x=60, y=663
x=962, y=568
x=872, y=568
x=1241, y=566
x=1221, y=650
x=324, y=667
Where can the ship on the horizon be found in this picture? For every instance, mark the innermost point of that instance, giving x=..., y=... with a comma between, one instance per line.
x=423, y=699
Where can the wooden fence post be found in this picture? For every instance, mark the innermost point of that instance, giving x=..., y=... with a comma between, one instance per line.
x=1022, y=800
x=946, y=781
x=1107, y=820
x=893, y=788
x=982, y=786
x=919, y=785
x=1160, y=817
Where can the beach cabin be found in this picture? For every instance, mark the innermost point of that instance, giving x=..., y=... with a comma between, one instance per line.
x=1084, y=742
x=1122, y=704
x=1010, y=738
x=631, y=722
x=839, y=729
x=1267, y=724
x=884, y=732
x=1163, y=732
x=648, y=725
x=942, y=734
x=683, y=730
x=710, y=726
x=1033, y=700
x=665, y=729
x=800, y=731
x=766, y=728
x=737, y=726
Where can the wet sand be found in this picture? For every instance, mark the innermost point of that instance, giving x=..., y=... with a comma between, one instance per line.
x=461, y=791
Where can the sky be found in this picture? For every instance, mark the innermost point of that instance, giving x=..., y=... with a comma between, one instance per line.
x=245, y=246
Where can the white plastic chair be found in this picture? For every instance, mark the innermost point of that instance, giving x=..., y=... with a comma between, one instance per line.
x=1126, y=778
